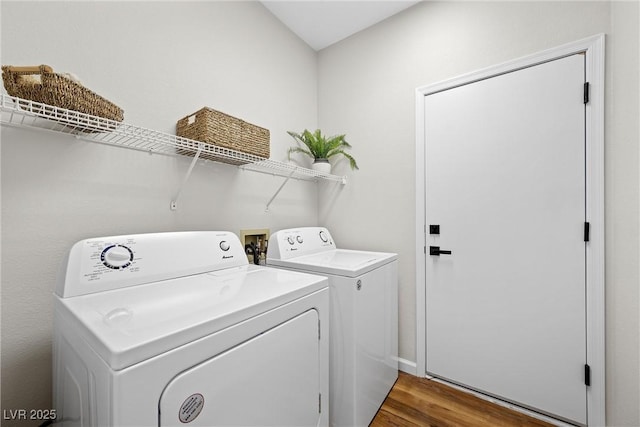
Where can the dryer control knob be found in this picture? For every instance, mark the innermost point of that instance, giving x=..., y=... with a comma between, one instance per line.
x=299, y=239
x=290, y=240
x=224, y=245
x=323, y=236
x=116, y=257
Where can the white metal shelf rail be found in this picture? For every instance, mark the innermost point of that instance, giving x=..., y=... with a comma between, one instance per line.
x=24, y=113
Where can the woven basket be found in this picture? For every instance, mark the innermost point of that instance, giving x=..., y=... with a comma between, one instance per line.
x=59, y=91
x=222, y=130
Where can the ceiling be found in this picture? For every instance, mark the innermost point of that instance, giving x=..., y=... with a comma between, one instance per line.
x=321, y=23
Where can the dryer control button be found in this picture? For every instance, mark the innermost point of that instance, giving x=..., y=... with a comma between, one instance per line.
x=116, y=257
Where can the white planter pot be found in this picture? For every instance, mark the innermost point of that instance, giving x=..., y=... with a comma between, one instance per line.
x=321, y=165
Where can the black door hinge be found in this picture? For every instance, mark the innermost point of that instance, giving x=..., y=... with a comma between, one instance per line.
x=586, y=92
x=587, y=375
x=586, y=231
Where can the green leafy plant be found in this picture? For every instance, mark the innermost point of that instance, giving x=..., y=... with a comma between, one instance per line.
x=318, y=146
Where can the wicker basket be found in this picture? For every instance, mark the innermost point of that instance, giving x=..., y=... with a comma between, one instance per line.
x=59, y=91
x=222, y=130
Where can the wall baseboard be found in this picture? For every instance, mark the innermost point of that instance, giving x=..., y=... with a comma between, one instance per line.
x=407, y=366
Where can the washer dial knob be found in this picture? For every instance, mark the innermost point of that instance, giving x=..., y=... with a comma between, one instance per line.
x=323, y=236
x=299, y=239
x=116, y=257
x=290, y=240
x=224, y=245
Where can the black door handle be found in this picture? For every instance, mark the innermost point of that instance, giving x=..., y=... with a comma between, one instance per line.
x=435, y=250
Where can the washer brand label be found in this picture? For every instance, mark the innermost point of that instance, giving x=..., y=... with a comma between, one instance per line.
x=191, y=408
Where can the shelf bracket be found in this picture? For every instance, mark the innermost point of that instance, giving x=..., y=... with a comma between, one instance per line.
x=174, y=202
x=279, y=190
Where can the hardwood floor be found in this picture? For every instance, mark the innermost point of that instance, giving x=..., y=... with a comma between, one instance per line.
x=421, y=402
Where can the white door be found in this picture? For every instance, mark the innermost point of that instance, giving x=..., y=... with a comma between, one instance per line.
x=505, y=183
x=272, y=379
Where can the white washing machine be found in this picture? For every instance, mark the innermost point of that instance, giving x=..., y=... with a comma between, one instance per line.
x=364, y=318
x=175, y=329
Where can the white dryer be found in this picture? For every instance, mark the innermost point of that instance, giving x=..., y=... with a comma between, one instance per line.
x=364, y=318
x=176, y=329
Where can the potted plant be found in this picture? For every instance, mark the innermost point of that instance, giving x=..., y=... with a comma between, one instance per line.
x=320, y=148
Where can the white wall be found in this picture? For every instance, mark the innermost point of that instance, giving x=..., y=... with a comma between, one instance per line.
x=159, y=61
x=366, y=90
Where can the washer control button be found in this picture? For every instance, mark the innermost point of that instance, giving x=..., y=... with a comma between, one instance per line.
x=224, y=245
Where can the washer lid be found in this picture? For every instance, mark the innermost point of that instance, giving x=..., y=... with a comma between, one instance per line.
x=339, y=262
x=128, y=325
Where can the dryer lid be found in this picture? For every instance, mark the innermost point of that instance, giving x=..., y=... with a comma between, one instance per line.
x=128, y=325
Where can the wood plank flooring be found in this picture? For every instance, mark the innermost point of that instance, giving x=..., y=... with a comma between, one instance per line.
x=421, y=402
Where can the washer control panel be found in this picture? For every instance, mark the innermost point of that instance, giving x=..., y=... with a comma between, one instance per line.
x=106, y=263
x=293, y=242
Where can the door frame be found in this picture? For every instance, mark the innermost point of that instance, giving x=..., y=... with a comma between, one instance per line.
x=593, y=49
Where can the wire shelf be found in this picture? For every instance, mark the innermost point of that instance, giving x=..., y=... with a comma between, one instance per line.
x=18, y=112
x=273, y=167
